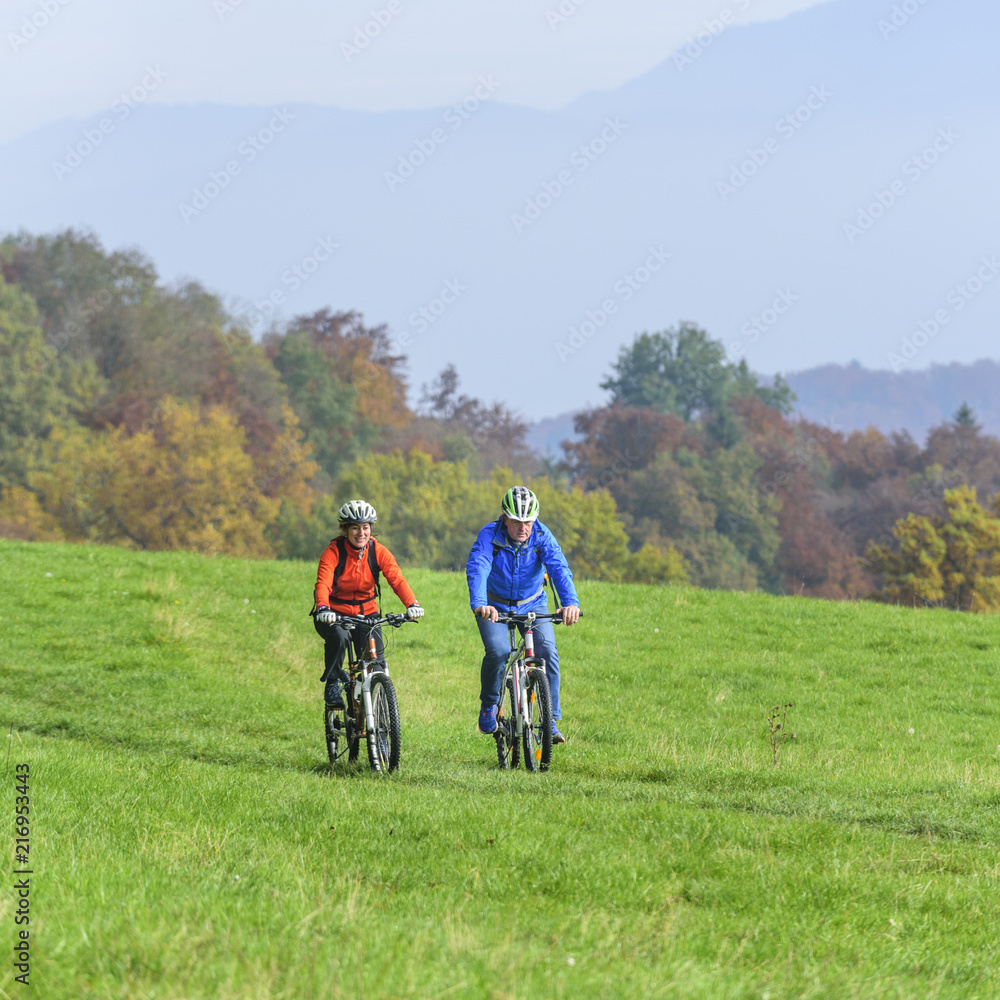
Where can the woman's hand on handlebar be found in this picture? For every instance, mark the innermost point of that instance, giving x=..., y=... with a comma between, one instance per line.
x=488, y=612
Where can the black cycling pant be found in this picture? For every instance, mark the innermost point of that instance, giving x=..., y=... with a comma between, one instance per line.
x=336, y=638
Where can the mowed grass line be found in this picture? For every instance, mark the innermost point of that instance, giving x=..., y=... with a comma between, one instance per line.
x=189, y=839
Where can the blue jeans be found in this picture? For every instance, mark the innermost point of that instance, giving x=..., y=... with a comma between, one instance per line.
x=497, y=643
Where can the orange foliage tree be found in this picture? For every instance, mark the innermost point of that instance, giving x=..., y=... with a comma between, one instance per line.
x=184, y=481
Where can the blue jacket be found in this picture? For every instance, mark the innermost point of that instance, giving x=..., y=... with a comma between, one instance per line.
x=511, y=577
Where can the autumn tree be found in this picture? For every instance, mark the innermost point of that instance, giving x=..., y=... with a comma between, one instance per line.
x=183, y=481
x=142, y=340
x=344, y=383
x=951, y=561
x=457, y=427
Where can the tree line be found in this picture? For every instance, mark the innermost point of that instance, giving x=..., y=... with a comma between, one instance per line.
x=143, y=415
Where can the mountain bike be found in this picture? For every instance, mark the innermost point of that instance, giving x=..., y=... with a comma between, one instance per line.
x=524, y=718
x=371, y=711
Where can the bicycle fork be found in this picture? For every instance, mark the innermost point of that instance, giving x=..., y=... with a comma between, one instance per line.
x=520, y=682
x=365, y=693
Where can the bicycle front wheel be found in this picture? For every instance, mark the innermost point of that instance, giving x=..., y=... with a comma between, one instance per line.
x=508, y=749
x=333, y=724
x=538, y=725
x=383, y=741
x=354, y=725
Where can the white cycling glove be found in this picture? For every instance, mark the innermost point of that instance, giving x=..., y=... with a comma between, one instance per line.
x=414, y=611
x=325, y=616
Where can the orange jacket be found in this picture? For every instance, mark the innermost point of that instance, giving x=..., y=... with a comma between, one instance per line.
x=356, y=587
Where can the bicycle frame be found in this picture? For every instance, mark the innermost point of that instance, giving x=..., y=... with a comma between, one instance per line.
x=529, y=698
x=516, y=670
x=360, y=674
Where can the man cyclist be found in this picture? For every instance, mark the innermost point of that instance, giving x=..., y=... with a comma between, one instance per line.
x=506, y=571
x=346, y=584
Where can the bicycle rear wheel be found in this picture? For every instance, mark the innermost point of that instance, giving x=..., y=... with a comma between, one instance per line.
x=383, y=743
x=508, y=749
x=538, y=726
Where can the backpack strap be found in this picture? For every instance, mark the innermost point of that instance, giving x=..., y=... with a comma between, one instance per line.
x=340, y=542
x=375, y=571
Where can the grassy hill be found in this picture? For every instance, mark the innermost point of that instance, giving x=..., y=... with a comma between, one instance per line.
x=189, y=839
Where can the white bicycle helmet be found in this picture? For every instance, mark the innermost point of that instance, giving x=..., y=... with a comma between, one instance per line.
x=520, y=504
x=357, y=512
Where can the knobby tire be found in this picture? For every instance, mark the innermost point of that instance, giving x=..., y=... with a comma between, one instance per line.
x=354, y=726
x=333, y=723
x=384, y=755
x=538, y=726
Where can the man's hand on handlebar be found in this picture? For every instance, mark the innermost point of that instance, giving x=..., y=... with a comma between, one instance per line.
x=570, y=614
x=488, y=612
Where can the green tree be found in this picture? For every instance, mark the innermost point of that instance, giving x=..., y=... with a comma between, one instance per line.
x=965, y=417
x=710, y=508
x=684, y=372
x=37, y=388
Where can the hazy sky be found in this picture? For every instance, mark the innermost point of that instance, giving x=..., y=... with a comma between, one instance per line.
x=65, y=58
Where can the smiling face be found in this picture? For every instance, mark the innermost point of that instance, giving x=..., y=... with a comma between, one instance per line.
x=518, y=531
x=358, y=534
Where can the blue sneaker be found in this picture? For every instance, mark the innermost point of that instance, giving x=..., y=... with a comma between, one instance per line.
x=488, y=720
x=557, y=737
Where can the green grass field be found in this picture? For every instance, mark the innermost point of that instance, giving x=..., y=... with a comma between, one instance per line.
x=189, y=839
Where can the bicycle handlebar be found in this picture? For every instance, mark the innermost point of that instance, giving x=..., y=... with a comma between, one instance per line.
x=354, y=621
x=507, y=618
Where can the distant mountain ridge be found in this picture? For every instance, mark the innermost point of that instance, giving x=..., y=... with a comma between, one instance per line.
x=456, y=216
x=849, y=397
x=852, y=398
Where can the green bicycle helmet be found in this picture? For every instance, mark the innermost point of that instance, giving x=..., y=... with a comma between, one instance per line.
x=520, y=504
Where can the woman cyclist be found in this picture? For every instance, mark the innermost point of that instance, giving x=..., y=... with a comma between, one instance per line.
x=347, y=584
